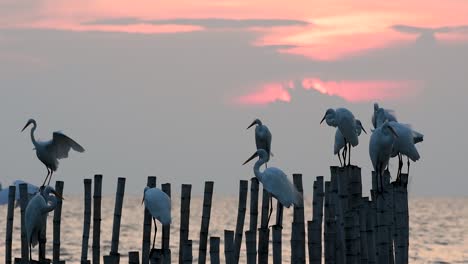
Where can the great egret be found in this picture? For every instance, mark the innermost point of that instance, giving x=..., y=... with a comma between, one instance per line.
x=158, y=204
x=262, y=137
x=340, y=141
x=49, y=152
x=346, y=123
x=388, y=115
x=275, y=182
x=380, y=148
x=36, y=214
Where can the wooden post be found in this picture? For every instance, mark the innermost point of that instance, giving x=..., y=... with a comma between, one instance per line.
x=354, y=183
x=214, y=250
x=253, y=220
x=97, y=219
x=24, y=199
x=188, y=252
x=251, y=245
x=277, y=234
x=371, y=231
x=401, y=218
x=114, y=255
x=241, y=210
x=298, y=226
x=382, y=234
x=184, y=218
x=330, y=230
x=363, y=229
x=263, y=231
x=339, y=199
x=134, y=257
x=86, y=220
x=205, y=222
x=147, y=222
x=9, y=224
x=352, y=237
x=315, y=226
x=229, y=246
x=166, y=230
x=56, y=224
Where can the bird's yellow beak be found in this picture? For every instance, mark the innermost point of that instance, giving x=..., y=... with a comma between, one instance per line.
x=253, y=123
x=251, y=158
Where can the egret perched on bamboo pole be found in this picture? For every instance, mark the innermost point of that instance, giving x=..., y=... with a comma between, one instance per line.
x=340, y=141
x=36, y=214
x=158, y=204
x=275, y=182
x=262, y=137
x=344, y=120
x=49, y=152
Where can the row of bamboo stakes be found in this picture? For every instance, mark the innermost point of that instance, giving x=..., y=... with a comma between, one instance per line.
x=354, y=229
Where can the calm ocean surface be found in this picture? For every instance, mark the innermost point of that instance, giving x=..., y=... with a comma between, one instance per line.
x=438, y=228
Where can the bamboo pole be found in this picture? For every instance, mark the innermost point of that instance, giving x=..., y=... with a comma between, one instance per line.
x=314, y=227
x=145, y=247
x=251, y=244
x=166, y=230
x=188, y=252
x=241, y=210
x=277, y=234
x=354, y=183
x=382, y=230
x=253, y=217
x=205, y=221
x=134, y=257
x=114, y=255
x=363, y=229
x=298, y=226
x=352, y=237
x=338, y=201
x=184, y=218
x=9, y=224
x=401, y=218
x=329, y=232
x=214, y=250
x=97, y=218
x=86, y=220
x=371, y=231
x=229, y=246
x=57, y=223
x=23, y=188
x=263, y=231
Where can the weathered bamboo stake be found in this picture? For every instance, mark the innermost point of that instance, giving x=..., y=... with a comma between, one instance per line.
x=371, y=231
x=354, y=183
x=251, y=244
x=241, y=210
x=134, y=257
x=401, y=218
x=263, y=231
x=188, y=252
x=97, y=219
x=229, y=246
x=363, y=229
x=114, y=256
x=382, y=229
x=329, y=232
x=214, y=250
x=56, y=224
x=86, y=220
x=205, y=222
x=145, y=247
x=156, y=256
x=9, y=224
x=23, y=188
x=184, y=218
x=277, y=234
x=352, y=233
x=253, y=217
x=166, y=230
x=350, y=182
x=314, y=227
x=337, y=192
x=298, y=226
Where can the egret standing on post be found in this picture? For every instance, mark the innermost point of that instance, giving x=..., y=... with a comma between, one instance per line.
x=49, y=152
x=36, y=215
x=262, y=138
x=340, y=141
x=346, y=123
x=275, y=182
x=158, y=204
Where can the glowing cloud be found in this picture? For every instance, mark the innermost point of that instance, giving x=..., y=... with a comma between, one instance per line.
x=268, y=93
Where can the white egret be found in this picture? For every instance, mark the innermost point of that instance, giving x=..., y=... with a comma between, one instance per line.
x=275, y=182
x=262, y=137
x=380, y=149
x=49, y=152
x=158, y=204
x=36, y=214
x=346, y=123
x=340, y=140
x=388, y=114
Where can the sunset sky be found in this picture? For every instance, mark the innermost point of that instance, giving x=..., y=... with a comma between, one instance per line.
x=167, y=88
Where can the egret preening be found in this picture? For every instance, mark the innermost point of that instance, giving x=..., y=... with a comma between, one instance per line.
x=262, y=137
x=344, y=120
x=388, y=115
x=380, y=149
x=158, y=204
x=340, y=141
x=49, y=152
x=36, y=214
x=275, y=182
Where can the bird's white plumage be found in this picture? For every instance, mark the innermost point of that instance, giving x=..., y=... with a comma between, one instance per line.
x=158, y=204
x=380, y=147
x=388, y=114
x=405, y=142
x=262, y=136
x=344, y=120
x=340, y=140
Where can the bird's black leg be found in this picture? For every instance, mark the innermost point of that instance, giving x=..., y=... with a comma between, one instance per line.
x=349, y=155
x=345, y=151
x=271, y=210
x=50, y=177
x=154, y=238
x=339, y=157
x=48, y=173
x=30, y=251
x=408, y=162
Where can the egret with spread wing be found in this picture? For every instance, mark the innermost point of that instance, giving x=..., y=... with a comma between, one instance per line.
x=49, y=152
x=262, y=137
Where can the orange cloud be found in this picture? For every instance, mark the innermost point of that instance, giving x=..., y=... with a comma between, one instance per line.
x=268, y=93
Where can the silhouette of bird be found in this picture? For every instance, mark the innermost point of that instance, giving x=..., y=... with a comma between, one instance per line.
x=340, y=141
x=275, y=182
x=346, y=123
x=262, y=137
x=158, y=204
x=49, y=152
x=388, y=115
x=36, y=215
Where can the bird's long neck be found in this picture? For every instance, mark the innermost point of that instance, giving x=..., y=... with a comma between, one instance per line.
x=257, y=171
x=33, y=139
